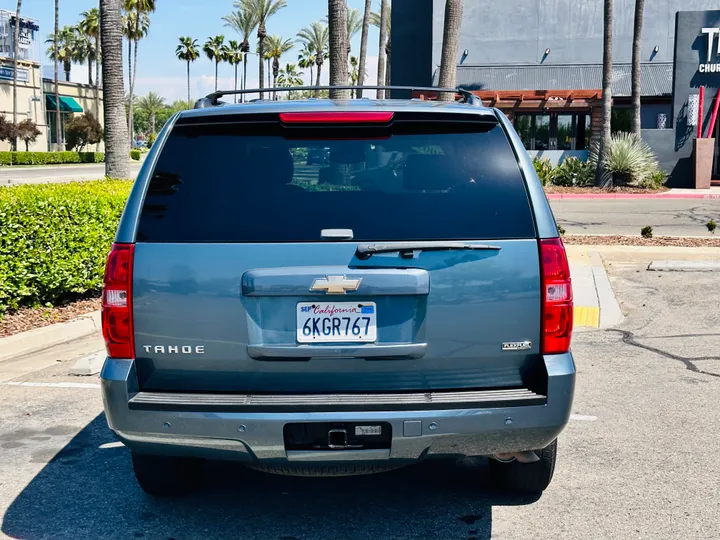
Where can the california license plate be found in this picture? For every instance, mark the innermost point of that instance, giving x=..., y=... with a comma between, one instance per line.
x=336, y=322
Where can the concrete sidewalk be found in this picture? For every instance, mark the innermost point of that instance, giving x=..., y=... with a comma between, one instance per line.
x=595, y=302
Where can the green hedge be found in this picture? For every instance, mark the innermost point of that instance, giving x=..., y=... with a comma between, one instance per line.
x=50, y=158
x=54, y=239
x=135, y=154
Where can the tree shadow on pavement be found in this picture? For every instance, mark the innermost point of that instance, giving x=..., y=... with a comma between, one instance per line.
x=89, y=492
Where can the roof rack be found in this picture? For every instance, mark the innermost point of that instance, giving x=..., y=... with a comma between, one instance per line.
x=212, y=100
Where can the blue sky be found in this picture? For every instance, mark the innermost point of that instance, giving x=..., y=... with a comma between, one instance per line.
x=158, y=68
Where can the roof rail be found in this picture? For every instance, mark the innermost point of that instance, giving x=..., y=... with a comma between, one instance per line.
x=212, y=100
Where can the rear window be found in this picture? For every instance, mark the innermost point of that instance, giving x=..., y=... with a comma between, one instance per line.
x=264, y=182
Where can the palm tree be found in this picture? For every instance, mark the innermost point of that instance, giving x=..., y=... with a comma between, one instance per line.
x=64, y=51
x=234, y=56
x=636, y=54
x=363, y=46
x=289, y=77
x=316, y=38
x=262, y=11
x=354, y=25
x=451, y=36
x=244, y=22
x=16, y=43
x=138, y=25
x=306, y=59
x=354, y=72
x=338, y=23
x=375, y=21
x=214, y=49
x=187, y=51
x=276, y=47
x=56, y=52
x=600, y=177
x=116, y=135
x=151, y=104
x=90, y=26
x=83, y=50
x=381, y=53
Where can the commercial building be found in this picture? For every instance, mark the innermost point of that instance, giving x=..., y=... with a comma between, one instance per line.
x=540, y=62
x=35, y=94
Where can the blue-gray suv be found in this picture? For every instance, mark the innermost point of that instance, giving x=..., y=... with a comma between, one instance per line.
x=405, y=297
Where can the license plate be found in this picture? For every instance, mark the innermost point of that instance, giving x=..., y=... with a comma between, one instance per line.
x=336, y=322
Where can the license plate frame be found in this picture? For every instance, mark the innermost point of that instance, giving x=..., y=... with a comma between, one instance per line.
x=339, y=332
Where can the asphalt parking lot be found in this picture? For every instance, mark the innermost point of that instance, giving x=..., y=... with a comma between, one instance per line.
x=638, y=459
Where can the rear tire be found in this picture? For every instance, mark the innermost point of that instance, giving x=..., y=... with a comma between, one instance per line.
x=526, y=477
x=166, y=476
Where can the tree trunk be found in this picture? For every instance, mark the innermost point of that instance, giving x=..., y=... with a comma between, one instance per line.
x=337, y=18
x=130, y=107
x=152, y=123
x=261, y=56
x=216, y=73
x=188, y=79
x=269, y=72
x=381, y=52
x=451, y=36
x=244, y=83
x=116, y=134
x=387, y=64
x=132, y=89
x=311, y=75
x=16, y=40
x=68, y=69
x=90, y=81
x=363, y=48
x=98, y=58
x=601, y=179
x=58, y=131
x=236, y=87
x=317, y=79
x=636, y=57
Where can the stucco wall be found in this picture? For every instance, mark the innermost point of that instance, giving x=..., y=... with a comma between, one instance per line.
x=27, y=106
x=84, y=95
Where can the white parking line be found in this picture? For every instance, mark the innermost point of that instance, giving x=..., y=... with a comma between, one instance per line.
x=583, y=417
x=54, y=385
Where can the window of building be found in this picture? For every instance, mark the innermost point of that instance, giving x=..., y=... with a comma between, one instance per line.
x=554, y=131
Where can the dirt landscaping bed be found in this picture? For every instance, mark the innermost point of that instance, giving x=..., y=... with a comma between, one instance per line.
x=550, y=189
x=29, y=318
x=617, y=240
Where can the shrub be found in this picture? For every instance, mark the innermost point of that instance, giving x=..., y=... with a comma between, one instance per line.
x=561, y=230
x=628, y=159
x=50, y=158
x=654, y=180
x=711, y=226
x=83, y=130
x=54, y=239
x=135, y=154
x=544, y=170
x=151, y=139
x=573, y=172
x=646, y=232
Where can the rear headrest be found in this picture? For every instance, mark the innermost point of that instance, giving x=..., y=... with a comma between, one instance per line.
x=429, y=172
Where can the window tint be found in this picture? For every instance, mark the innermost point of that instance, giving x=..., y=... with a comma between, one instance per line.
x=265, y=183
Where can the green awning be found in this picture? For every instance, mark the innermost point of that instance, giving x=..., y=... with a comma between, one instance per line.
x=67, y=104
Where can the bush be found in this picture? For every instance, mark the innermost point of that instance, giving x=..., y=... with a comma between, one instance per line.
x=711, y=226
x=646, y=232
x=54, y=239
x=151, y=139
x=628, y=160
x=654, y=180
x=83, y=130
x=544, y=170
x=50, y=158
x=573, y=172
x=135, y=154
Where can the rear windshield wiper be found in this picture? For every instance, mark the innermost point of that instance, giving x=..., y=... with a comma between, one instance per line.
x=408, y=249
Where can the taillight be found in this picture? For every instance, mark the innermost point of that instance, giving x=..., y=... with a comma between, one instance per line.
x=343, y=117
x=557, y=311
x=117, y=324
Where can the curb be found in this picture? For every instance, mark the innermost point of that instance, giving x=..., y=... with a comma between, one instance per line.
x=610, y=312
x=48, y=336
x=669, y=195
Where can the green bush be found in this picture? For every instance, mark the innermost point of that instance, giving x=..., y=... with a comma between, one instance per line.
x=573, y=172
x=50, y=158
x=646, y=232
x=654, y=180
x=135, y=154
x=544, y=170
x=629, y=159
x=54, y=239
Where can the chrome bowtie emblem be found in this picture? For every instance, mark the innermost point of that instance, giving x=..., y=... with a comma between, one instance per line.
x=335, y=284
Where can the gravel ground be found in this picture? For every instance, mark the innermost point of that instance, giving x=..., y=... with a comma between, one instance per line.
x=29, y=318
x=619, y=240
x=592, y=189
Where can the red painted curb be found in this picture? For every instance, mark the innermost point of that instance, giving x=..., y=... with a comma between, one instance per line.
x=556, y=196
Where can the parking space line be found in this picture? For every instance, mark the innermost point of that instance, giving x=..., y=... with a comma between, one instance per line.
x=53, y=385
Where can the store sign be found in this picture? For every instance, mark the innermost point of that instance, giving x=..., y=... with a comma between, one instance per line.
x=712, y=61
x=6, y=73
x=27, y=32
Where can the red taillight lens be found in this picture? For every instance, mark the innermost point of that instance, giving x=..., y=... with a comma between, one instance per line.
x=557, y=312
x=117, y=324
x=345, y=117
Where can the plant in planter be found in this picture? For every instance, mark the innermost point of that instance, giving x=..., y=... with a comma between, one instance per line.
x=628, y=159
x=544, y=170
x=573, y=172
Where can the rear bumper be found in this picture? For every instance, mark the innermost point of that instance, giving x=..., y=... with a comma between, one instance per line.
x=258, y=436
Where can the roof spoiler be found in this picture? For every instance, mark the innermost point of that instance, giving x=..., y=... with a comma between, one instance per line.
x=212, y=100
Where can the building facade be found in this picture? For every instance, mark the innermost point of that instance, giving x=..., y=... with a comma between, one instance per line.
x=35, y=94
x=540, y=61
